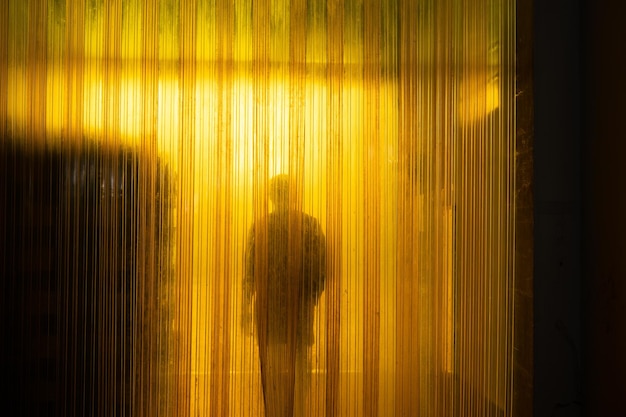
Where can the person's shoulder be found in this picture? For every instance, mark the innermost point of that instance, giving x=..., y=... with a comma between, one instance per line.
x=309, y=219
x=312, y=224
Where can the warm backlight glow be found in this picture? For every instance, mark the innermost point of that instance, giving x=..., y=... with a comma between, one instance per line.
x=394, y=123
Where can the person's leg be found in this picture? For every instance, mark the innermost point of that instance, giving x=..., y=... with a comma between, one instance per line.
x=303, y=381
x=278, y=378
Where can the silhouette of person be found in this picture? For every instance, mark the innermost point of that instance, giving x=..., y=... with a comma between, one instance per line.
x=285, y=274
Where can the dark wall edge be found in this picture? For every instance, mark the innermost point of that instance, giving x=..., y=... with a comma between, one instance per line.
x=523, y=290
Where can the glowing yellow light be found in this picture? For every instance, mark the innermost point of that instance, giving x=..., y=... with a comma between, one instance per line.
x=479, y=96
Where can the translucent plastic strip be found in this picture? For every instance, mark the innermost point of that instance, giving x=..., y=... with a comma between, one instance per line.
x=256, y=208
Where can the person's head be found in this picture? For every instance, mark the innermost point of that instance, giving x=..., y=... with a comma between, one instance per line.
x=279, y=191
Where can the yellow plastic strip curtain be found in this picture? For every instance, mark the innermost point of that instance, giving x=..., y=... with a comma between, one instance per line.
x=257, y=207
